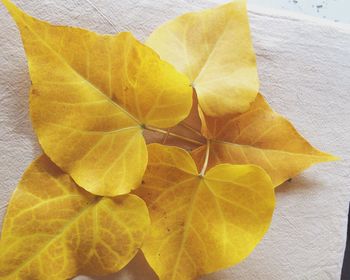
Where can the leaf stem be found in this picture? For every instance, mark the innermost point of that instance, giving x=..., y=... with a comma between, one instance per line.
x=165, y=137
x=174, y=135
x=206, y=161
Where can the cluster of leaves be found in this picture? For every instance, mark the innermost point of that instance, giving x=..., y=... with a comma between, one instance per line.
x=167, y=147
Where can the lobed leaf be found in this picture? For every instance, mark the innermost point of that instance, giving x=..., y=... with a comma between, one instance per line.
x=55, y=230
x=214, y=49
x=262, y=137
x=200, y=224
x=93, y=95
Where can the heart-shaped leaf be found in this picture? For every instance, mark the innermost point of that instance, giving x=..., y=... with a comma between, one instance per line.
x=202, y=222
x=92, y=97
x=55, y=230
x=214, y=49
x=262, y=137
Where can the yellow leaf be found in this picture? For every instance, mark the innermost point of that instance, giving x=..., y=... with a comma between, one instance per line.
x=262, y=137
x=200, y=224
x=55, y=230
x=214, y=49
x=92, y=97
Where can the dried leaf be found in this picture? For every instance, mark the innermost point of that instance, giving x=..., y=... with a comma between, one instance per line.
x=214, y=49
x=93, y=95
x=262, y=137
x=201, y=224
x=55, y=230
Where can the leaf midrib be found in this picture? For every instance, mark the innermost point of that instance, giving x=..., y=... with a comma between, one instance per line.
x=210, y=54
x=97, y=132
x=221, y=142
x=59, y=56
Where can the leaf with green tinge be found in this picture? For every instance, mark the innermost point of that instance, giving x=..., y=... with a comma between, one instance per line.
x=214, y=49
x=92, y=96
x=202, y=223
x=55, y=230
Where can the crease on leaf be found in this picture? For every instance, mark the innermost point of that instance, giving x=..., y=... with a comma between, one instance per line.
x=55, y=230
x=214, y=49
x=92, y=98
x=202, y=223
x=262, y=137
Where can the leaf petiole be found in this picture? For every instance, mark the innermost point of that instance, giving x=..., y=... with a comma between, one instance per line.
x=205, y=164
x=174, y=135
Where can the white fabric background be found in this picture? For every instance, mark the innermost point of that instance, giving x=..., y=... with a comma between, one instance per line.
x=336, y=10
x=304, y=67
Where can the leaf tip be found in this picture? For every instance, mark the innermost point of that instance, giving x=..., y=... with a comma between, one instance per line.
x=333, y=158
x=9, y=5
x=13, y=10
x=326, y=157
